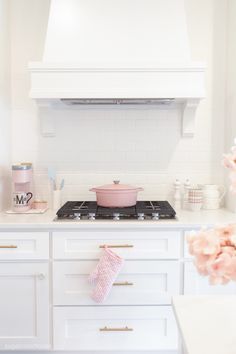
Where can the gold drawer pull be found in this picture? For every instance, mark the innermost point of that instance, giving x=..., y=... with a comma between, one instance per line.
x=8, y=246
x=116, y=246
x=124, y=283
x=123, y=329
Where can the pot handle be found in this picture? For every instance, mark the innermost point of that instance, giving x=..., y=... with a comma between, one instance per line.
x=140, y=189
x=92, y=190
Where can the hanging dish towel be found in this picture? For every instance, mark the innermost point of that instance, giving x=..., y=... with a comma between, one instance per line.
x=105, y=273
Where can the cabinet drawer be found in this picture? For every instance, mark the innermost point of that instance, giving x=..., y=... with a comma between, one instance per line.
x=114, y=328
x=128, y=244
x=24, y=245
x=148, y=283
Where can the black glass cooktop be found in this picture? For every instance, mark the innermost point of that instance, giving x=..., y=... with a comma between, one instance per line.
x=143, y=210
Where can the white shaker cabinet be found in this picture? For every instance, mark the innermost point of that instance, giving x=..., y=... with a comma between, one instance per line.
x=45, y=301
x=24, y=306
x=24, y=290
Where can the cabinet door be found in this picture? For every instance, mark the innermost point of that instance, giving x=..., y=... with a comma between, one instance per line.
x=24, y=306
x=195, y=284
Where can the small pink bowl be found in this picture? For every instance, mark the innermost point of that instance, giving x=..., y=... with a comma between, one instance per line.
x=40, y=204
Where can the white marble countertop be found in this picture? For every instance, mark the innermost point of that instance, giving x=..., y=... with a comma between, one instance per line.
x=185, y=219
x=207, y=323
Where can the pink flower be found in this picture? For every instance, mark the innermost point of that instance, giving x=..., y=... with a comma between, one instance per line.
x=201, y=263
x=229, y=160
x=214, y=253
x=225, y=233
x=222, y=269
x=218, y=266
x=230, y=269
x=233, y=240
x=230, y=250
x=205, y=243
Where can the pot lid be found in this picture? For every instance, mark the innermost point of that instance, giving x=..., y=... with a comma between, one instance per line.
x=116, y=186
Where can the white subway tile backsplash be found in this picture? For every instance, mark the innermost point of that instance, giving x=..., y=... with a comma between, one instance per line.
x=77, y=185
x=138, y=147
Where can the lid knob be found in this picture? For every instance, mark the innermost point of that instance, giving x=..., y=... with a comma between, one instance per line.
x=116, y=182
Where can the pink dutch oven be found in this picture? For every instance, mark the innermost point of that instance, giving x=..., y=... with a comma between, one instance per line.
x=116, y=195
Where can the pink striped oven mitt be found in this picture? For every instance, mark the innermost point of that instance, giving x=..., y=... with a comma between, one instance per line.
x=104, y=275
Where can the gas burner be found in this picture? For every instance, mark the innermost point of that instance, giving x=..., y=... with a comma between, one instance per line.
x=143, y=210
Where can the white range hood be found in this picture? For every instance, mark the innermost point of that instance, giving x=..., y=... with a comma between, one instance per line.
x=118, y=52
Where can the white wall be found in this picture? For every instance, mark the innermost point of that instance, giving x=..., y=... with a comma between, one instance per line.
x=138, y=146
x=231, y=91
x=4, y=102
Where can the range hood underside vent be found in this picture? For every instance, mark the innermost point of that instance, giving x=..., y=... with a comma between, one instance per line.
x=117, y=101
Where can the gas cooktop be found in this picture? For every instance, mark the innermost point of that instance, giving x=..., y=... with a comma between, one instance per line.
x=143, y=210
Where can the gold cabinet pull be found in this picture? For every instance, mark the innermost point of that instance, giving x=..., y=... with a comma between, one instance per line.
x=110, y=329
x=8, y=246
x=116, y=246
x=124, y=283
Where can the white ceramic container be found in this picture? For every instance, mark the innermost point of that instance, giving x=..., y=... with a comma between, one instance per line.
x=195, y=199
x=212, y=191
x=212, y=196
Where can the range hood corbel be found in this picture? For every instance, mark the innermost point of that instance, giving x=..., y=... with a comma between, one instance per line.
x=66, y=85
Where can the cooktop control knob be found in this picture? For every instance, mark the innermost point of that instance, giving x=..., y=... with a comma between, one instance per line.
x=116, y=216
x=140, y=216
x=77, y=216
x=155, y=216
x=91, y=216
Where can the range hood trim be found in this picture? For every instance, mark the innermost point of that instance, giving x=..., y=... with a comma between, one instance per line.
x=51, y=82
x=116, y=101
